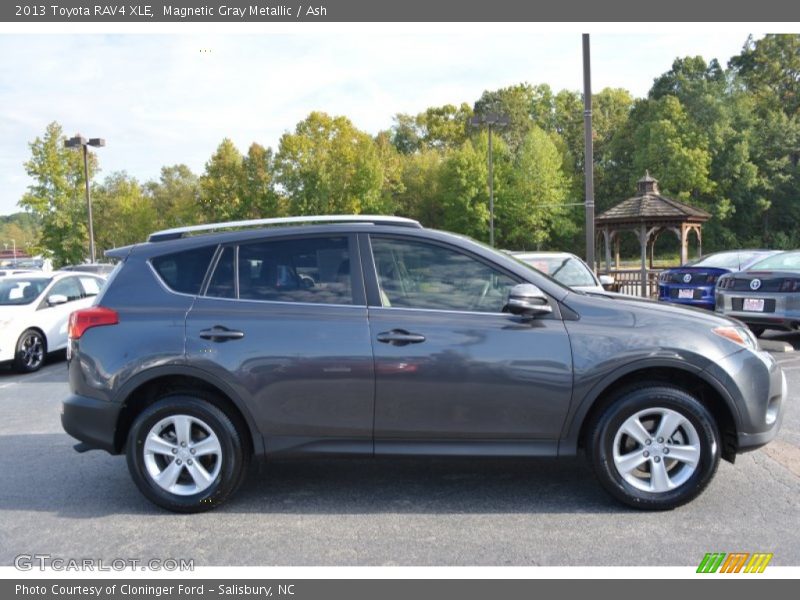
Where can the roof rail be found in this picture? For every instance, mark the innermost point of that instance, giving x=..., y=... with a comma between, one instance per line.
x=179, y=232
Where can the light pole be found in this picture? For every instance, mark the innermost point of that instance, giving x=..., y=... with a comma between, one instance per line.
x=588, y=153
x=81, y=142
x=491, y=120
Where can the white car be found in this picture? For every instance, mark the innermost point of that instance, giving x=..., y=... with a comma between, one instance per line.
x=34, y=311
x=565, y=268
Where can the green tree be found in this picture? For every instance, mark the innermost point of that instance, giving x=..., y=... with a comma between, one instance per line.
x=175, y=196
x=56, y=197
x=770, y=69
x=221, y=185
x=530, y=207
x=421, y=196
x=464, y=189
x=328, y=166
x=21, y=229
x=259, y=198
x=123, y=214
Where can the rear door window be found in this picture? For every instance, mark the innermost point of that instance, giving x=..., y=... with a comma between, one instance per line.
x=310, y=270
x=184, y=271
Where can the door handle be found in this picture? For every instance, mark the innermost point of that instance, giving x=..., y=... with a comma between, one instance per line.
x=221, y=334
x=400, y=337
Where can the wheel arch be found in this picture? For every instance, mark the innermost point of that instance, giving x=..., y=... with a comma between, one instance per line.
x=695, y=381
x=146, y=388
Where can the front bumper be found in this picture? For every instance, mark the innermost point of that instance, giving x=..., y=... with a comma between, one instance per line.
x=759, y=391
x=91, y=421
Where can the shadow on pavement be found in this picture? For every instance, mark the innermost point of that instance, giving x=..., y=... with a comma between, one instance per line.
x=43, y=473
x=54, y=370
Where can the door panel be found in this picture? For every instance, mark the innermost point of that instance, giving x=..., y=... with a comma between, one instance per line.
x=302, y=363
x=475, y=377
x=450, y=365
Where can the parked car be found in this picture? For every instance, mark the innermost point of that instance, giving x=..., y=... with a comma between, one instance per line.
x=6, y=272
x=693, y=284
x=566, y=268
x=368, y=336
x=34, y=310
x=766, y=295
x=103, y=269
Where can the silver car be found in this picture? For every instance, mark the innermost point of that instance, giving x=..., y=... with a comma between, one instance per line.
x=566, y=268
x=766, y=295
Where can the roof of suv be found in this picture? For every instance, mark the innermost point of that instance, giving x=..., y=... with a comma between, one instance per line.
x=179, y=232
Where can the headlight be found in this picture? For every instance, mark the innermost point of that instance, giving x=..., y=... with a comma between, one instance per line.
x=740, y=335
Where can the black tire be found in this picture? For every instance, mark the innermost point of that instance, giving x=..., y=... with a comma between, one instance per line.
x=649, y=404
x=31, y=351
x=757, y=330
x=233, y=458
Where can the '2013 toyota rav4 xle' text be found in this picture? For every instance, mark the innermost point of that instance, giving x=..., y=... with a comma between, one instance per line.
x=375, y=336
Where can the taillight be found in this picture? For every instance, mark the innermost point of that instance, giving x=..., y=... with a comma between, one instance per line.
x=96, y=316
x=790, y=285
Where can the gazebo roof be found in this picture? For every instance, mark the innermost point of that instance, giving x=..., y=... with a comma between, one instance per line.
x=650, y=207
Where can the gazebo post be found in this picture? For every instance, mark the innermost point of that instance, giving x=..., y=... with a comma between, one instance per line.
x=684, y=244
x=643, y=242
x=607, y=243
x=699, y=242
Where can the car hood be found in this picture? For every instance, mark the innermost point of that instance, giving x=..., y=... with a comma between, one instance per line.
x=630, y=310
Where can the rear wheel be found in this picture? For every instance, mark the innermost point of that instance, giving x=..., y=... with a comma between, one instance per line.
x=656, y=447
x=185, y=454
x=30, y=352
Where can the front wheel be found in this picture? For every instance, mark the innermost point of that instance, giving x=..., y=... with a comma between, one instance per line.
x=656, y=447
x=185, y=454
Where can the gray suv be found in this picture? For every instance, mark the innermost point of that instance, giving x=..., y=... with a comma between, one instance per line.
x=368, y=336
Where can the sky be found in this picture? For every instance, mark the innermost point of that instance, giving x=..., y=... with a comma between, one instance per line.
x=164, y=99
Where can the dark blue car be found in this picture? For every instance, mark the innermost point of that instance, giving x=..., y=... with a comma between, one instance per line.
x=694, y=283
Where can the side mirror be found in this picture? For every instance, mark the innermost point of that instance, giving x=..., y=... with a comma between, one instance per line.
x=526, y=299
x=56, y=299
x=606, y=280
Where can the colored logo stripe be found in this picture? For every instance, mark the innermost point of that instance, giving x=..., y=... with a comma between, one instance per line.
x=735, y=562
x=758, y=562
x=711, y=562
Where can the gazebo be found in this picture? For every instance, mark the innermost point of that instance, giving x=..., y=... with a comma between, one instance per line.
x=648, y=215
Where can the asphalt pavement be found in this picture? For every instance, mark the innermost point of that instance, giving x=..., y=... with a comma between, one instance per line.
x=381, y=511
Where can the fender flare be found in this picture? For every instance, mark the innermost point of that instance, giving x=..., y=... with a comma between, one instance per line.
x=568, y=443
x=123, y=393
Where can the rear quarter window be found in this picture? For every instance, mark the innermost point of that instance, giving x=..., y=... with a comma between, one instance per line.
x=184, y=271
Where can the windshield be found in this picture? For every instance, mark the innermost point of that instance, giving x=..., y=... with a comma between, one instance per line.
x=21, y=291
x=786, y=261
x=567, y=270
x=725, y=260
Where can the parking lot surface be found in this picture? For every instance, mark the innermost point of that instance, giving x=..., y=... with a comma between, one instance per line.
x=383, y=511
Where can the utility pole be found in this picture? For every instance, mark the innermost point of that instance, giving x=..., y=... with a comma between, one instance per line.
x=588, y=155
x=491, y=121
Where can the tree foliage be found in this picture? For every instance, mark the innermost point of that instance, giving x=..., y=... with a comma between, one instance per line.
x=726, y=139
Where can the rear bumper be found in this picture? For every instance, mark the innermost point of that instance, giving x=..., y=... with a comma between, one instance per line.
x=91, y=421
x=783, y=314
x=702, y=295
